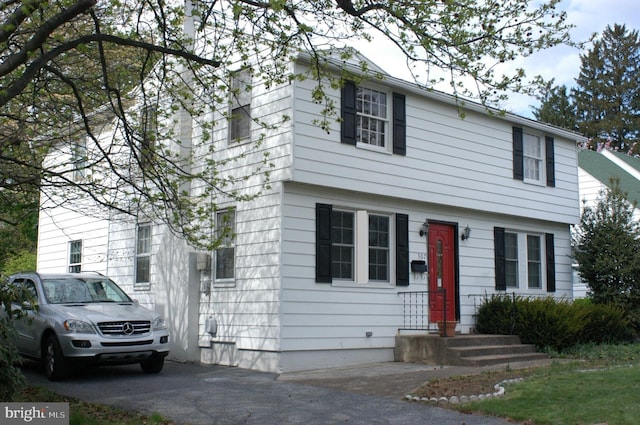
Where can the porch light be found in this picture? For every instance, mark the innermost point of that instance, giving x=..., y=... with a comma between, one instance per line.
x=424, y=229
x=466, y=233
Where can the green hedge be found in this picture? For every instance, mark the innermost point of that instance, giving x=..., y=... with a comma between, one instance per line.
x=549, y=323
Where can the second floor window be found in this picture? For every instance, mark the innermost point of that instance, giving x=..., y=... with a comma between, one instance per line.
x=149, y=136
x=371, y=119
x=240, y=121
x=533, y=160
x=75, y=256
x=79, y=159
x=533, y=157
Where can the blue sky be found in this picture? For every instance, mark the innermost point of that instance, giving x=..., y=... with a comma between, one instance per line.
x=561, y=63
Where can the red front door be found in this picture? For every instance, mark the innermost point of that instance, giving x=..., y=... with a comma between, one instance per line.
x=442, y=287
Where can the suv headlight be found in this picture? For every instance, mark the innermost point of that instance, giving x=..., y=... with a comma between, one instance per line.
x=159, y=324
x=78, y=326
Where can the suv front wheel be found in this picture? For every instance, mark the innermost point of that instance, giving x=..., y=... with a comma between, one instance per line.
x=55, y=365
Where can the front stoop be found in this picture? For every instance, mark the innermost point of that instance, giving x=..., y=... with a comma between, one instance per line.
x=464, y=350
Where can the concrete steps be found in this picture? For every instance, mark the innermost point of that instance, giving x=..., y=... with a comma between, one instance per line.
x=464, y=350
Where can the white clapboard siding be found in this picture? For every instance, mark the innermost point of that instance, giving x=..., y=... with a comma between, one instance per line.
x=57, y=226
x=319, y=316
x=450, y=161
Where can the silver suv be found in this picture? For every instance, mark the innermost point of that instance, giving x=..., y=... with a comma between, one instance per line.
x=86, y=318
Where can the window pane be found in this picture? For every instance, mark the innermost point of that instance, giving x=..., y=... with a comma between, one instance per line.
x=534, y=261
x=75, y=252
x=511, y=257
x=225, y=254
x=240, y=123
x=144, y=239
x=225, y=263
x=371, y=106
x=143, y=251
x=342, y=251
x=143, y=270
x=379, y=248
x=532, y=149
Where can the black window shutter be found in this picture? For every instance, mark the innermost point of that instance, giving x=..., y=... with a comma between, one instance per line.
x=402, y=250
x=551, y=263
x=399, y=125
x=550, y=159
x=323, y=243
x=518, y=164
x=348, y=113
x=500, y=259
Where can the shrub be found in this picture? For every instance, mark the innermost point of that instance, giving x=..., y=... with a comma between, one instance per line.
x=496, y=315
x=548, y=323
x=606, y=324
x=553, y=324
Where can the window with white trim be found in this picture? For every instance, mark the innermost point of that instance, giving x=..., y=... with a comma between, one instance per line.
x=529, y=248
x=511, y=259
x=225, y=254
x=534, y=261
x=361, y=249
x=371, y=119
x=149, y=137
x=533, y=157
x=75, y=256
x=240, y=119
x=143, y=254
x=79, y=159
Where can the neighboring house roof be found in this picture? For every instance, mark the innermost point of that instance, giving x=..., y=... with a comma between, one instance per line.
x=607, y=164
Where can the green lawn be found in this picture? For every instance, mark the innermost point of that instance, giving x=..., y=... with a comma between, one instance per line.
x=603, y=388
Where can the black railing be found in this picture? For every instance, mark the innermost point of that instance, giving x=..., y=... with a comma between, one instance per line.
x=415, y=312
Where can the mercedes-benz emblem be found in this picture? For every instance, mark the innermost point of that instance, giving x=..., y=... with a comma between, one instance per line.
x=127, y=328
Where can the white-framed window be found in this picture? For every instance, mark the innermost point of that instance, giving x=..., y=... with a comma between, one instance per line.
x=533, y=158
x=75, y=256
x=534, y=261
x=148, y=137
x=143, y=256
x=372, y=123
x=79, y=159
x=225, y=254
x=361, y=246
x=529, y=248
x=240, y=118
x=511, y=259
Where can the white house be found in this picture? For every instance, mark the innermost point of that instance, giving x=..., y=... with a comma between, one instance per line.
x=596, y=169
x=362, y=228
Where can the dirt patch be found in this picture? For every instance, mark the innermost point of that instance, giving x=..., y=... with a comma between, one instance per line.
x=483, y=383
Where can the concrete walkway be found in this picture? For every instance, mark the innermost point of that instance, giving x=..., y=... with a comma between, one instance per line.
x=202, y=395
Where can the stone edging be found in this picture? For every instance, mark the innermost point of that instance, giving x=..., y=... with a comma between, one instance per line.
x=499, y=392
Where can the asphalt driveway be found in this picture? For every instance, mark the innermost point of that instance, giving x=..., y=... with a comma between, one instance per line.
x=215, y=395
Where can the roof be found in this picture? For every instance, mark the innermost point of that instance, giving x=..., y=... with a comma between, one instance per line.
x=602, y=167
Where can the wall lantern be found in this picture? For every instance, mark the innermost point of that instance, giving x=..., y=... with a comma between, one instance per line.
x=424, y=229
x=465, y=233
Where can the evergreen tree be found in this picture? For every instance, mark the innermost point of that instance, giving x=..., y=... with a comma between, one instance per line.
x=606, y=246
x=556, y=107
x=608, y=90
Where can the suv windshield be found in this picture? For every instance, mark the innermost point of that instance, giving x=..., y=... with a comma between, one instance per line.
x=77, y=290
